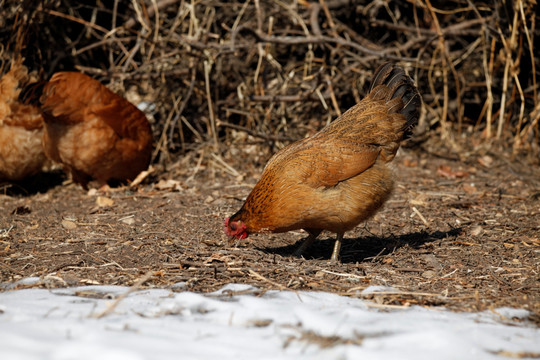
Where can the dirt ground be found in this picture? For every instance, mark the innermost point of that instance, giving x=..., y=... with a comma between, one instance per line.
x=461, y=231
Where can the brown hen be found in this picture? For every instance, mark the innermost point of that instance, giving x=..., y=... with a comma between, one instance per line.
x=21, y=128
x=93, y=132
x=338, y=177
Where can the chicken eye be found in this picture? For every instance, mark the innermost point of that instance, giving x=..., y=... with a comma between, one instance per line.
x=233, y=226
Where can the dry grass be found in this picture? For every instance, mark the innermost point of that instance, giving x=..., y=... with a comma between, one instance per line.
x=265, y=72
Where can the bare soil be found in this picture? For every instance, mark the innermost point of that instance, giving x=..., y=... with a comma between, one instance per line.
x=461, y=232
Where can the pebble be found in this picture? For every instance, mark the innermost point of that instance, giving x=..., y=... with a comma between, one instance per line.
x=68, y=224
x=428, y=274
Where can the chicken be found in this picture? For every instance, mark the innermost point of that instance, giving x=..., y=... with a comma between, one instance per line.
x=93, y=132
x=338, y=177
x=21, y=128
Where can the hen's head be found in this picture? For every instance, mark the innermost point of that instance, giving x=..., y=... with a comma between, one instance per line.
x=235, y=229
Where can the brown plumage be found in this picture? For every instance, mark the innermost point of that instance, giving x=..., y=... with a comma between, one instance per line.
x=340, y=176
x=21, y=128
x=93, y=132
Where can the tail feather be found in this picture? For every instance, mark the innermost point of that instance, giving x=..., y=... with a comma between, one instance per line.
x=380, y=75
x=391, y=82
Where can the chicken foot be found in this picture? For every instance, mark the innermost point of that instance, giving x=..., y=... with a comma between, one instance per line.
x=311, y=239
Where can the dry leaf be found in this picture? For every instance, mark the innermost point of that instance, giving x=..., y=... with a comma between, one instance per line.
x=477, y=231
x=447, y=172
x=142, y=175
x=92, y=192
x=172, y=185
x=409, y=163
x=470, y=189
x=103, y=201
x=417, y=202
x=486, y=161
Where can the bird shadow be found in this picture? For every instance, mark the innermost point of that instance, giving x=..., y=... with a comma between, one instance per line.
x=363, y=248
x=36, y=184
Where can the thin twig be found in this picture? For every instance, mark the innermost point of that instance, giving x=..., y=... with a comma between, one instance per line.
x=131, y=289
x=307, y=40
x=254, y=133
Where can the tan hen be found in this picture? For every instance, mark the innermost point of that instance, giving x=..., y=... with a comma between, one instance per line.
x=21, y=128
x=93, y=132
x=338, y=177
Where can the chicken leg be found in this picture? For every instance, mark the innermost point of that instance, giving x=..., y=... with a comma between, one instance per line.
x=307, y=243
x=337, y=247
x=312, y=237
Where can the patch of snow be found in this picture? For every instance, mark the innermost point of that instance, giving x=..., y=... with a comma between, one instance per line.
x=236, y=323
x=146, y=107
x=373, y=289
x=25, y=281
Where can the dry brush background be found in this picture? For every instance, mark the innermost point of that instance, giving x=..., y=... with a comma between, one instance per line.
x=215, y=73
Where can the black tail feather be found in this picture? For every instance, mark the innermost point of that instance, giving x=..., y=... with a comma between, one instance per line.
x=400, y=85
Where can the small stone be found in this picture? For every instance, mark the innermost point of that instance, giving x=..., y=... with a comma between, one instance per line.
x=477, y=230
x=68, y=224
x=428, y=274
x=129, y=220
